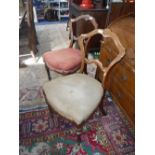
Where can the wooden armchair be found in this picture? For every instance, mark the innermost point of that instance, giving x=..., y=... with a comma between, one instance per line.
x=67, y=60
x=76, y=96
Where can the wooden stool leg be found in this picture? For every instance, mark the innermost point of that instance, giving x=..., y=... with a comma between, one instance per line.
x=48, y=72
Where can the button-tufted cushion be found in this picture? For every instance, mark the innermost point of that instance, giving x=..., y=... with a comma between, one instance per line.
x=65, y=61
x=74, y=97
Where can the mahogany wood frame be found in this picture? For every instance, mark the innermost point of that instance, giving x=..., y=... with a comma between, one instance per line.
x=105, y=33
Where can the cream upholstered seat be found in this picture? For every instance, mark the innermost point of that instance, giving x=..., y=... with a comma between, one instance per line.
x=74, y=97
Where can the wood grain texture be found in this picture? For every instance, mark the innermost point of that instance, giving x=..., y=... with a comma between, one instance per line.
x=105, y=33
x=121, y=79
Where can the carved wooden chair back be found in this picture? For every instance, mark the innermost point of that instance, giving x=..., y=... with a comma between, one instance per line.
x=73, y=36
x=67, y=60
x=105, y=33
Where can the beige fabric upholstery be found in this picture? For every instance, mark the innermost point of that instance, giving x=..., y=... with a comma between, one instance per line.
x=74, y=96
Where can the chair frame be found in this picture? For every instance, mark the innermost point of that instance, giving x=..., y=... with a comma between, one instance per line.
x=73, y=38
x=105, y=33
x=73, y=20
x=83, y=41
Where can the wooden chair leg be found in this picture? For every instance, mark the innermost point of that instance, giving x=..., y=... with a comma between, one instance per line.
x=102, y=109
x=78, y=132
x=45, y=97
x=101, y=106
x=67, y=27
x=48, y=72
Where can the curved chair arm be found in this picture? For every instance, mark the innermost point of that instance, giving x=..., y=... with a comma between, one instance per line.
x=106, y=33
x=82, y=17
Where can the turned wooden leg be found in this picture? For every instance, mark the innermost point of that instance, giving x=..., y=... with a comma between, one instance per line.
x=101, y=106
x=102, y=109
x=78, y=132
x=45, y=97
x=48, y=72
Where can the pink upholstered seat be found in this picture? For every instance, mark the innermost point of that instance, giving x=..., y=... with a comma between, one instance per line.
x=64, y=61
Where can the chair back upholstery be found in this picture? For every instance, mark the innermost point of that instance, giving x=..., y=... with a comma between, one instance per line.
x=105, y=33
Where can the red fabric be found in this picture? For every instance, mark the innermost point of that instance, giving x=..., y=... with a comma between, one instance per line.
x=63, y=61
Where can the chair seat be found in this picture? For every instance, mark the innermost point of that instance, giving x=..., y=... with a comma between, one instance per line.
x=64, y=61
x=75, y=96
